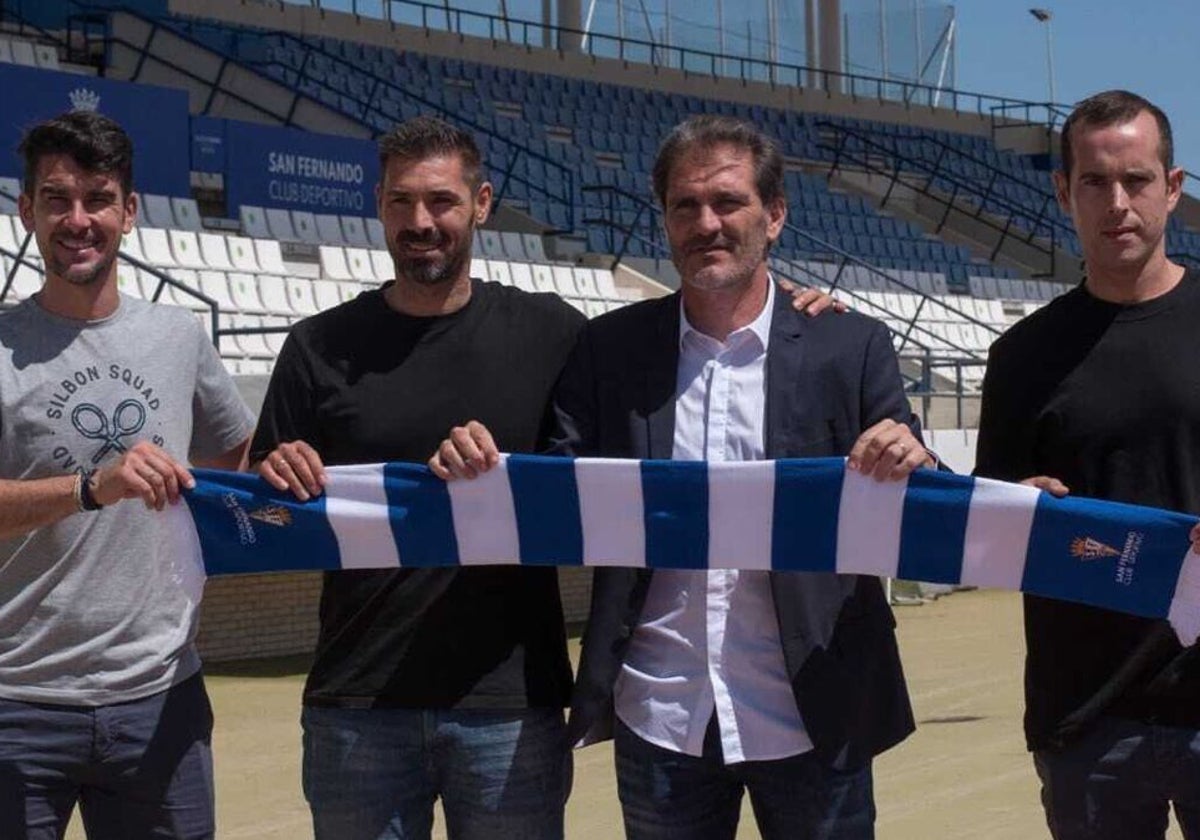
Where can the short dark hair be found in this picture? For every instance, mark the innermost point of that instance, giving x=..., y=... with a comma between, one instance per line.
x=424, y=137
x=1117, y=107
x=95, y=142
x=708, y=130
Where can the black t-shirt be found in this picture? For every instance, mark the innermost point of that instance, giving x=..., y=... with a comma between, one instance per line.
x=1106, y=398
x=362, y=383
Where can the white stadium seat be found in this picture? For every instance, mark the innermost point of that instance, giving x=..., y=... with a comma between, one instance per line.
x=358, y=260
x=269, y=256
x=242, y=250
x=354, y=231
x=187, y=214
x=186, y=249
x=329, y=229
x=254, y=221
x=214, y=251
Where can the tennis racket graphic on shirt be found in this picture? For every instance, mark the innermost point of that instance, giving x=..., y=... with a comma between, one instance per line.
x=91, y=422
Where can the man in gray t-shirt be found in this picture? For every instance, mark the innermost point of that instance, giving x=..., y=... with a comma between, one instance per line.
x=103, y=399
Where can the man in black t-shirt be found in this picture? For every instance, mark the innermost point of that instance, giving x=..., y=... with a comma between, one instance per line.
x=427, y=683
x=1098, y=394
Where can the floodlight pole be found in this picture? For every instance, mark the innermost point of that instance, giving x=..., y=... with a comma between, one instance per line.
x=1045, y=16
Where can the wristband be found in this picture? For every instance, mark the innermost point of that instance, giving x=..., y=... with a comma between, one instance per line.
x=77, y=492
x=86, y=500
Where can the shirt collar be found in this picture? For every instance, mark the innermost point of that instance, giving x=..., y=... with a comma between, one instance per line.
x=760, y=327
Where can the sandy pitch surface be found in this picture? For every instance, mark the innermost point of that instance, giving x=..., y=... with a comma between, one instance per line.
x=964, y=774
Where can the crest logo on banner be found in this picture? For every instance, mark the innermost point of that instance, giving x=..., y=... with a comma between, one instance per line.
x=273, y=515
x=84, y=99
x=1086, y=548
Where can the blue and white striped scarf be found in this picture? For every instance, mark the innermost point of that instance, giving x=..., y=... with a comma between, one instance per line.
x=788, y=515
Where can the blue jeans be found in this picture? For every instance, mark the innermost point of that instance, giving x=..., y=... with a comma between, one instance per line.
x=141, y=769
x=667, y=795
x=1118, y=781
x=373, y=774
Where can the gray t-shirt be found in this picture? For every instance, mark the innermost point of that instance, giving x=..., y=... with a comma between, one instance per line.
x=101, y=607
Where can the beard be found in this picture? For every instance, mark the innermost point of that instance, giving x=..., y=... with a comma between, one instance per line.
x=745, y=260
x=432, y=271
x=82, y=275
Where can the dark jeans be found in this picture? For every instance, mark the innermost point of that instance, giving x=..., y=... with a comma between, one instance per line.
x=667, y=795
x=374, y=774
x=141, y=769
x=1117, y=782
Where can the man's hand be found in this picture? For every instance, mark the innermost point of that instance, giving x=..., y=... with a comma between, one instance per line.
x=467, y=452
x=1051, y=485
x=889, y=451
x=144, y=472
x=811, y=301
x=294, y=466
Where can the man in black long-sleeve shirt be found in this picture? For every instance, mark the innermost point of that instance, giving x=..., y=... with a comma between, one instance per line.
x=1098, y=394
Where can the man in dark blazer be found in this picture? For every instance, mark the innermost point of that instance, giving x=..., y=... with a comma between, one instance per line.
x=713, y=683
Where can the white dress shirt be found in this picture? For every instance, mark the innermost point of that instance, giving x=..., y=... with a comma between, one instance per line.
x=709, y=641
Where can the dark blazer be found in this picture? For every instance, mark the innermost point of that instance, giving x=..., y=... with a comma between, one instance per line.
x=828, y=379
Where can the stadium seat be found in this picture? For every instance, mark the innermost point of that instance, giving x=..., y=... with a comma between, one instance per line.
x=326, y=293
x=585, y=282
x=333, y=263
x=273, y=292
x=382, y=265
x=128, y=282
x=254, y=222
x=187, y=214
x=358, y=260
x=241, y=252
x=156, y=247
x=244, y=291
x=354, y=232
x=329, y=229
x=216, y=286
x=534, y=247
x=490, y=245
x=23, y=53
x=498, y=272
x=10, y=191
x=564, y=282
x=186, y=249
x=279, y=225
x=522, y=276
x=304, y=225
x=158, y=211
x=543, y=277
x=214, y=251
x=376, y=235
x=268, y=256
x=513, y=245
x=300, y=296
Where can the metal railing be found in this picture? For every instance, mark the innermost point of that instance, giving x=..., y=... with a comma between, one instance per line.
x=295, y=77
x=538, y=34
x=879, y=154
x=90, y=29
